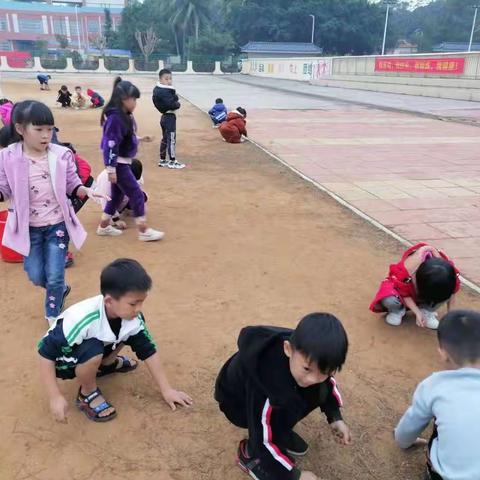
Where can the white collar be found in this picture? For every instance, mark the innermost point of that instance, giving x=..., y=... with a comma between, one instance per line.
x=161, y=85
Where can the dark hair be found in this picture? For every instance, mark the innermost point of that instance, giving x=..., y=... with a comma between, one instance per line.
x=459, y=335
x=242, y=111
x=49, y=77
x=164, y=71
x=137, y=168
x=322, y=338
x=122, y=276
x=122, y=90
x=3, y=101
x=436, y=280
x=25, y=113
x=78, y=86
x=219, y=100
x=4, y=136
x=69, y=146
x=63, y=88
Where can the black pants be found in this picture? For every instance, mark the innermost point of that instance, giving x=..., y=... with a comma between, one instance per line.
x=169, y=136
x=431, y=474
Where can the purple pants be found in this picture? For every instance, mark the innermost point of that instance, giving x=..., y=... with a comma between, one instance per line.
x=126, y=185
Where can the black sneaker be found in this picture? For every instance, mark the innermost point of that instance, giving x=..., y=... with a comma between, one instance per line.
x=249, y=465
x=66, y=292
x=296, y=445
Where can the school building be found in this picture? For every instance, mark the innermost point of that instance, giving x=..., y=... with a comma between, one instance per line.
x=24, y=24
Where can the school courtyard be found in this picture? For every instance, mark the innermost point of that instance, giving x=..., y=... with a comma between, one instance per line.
x=252, y=239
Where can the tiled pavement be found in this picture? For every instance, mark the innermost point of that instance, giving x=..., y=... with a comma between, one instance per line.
x=419, y=177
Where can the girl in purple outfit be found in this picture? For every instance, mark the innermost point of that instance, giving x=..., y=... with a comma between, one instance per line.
x=36, y=176
x=119, y=146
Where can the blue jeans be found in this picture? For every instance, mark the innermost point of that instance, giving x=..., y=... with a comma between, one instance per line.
x=45, y=266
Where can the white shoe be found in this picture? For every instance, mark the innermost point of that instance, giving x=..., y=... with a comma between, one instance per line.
x=150, y=235
x=108, y=231
x=395, y=318
x=163, y=163
x=431, y=319
x=176, y=165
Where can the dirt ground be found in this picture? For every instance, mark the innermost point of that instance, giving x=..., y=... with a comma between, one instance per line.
x=247, y=242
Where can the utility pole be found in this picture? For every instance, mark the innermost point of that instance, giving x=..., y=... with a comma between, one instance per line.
x=473, y=26
x=385, y=29
x=313, y=27
x=78, y=28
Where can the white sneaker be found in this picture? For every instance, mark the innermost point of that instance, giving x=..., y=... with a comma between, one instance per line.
x=431, y=319
x=163, y=163
x=108, y=231
x=176, y=165
x=150, y=235
x=395, y=318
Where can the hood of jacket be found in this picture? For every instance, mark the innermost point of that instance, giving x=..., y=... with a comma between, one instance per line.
x=90, y=92
x=161, y=85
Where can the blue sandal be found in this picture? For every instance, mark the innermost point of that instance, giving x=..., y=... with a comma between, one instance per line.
x=127, y=366
x=93, y=413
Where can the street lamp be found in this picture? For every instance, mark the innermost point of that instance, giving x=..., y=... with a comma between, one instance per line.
x=476, y=7
x=385, y=29
x=313, y=27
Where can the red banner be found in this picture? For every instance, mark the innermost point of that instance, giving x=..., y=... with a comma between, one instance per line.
x=452, y=66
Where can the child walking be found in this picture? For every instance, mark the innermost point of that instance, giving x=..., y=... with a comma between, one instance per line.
x=43, y=80
x=166, y=102
x=218, y=113
x=119, y=145
x=234, y=128
x=277, y=377
x=36, y=176
x=86, y=341
x=422, y=281
x=451, y=399
x=64, y=97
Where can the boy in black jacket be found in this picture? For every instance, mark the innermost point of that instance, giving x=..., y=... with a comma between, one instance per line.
x=166, y=101
x=277, y=377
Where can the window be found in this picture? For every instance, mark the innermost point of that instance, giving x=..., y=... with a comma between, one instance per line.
x=59, y=27
x=3, y=24
x=30, y=25
x=5, y=45
x=74, y=28
x=93, y=26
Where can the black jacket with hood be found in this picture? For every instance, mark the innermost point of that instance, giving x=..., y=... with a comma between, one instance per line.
x=257, y=381
x=165, y=98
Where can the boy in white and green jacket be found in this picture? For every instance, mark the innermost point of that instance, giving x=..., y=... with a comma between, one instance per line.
x=86, y=340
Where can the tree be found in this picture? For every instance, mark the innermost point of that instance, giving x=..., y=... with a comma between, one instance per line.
x=99, y=42
x=109, y=32
x=147, y=41
x=62, y=40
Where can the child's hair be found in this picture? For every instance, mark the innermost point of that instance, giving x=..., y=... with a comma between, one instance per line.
x=78, y=87
x=219, y=100
x=3, y=101
x=25, y=113
x=242, y=111
x=64, y=88
x=122, y=276
x=49, y=77
x=323, y=340
x=164, y=71
x=69, y=146
x=436, y=280
x=122, y=89
x=137, y=168
x=4, y=136
x=459, y=335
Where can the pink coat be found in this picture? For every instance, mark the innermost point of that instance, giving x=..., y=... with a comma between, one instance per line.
x=6, y=112
x=14, y=186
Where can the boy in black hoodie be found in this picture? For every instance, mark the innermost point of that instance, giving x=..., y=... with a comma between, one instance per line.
x=277, y=377
x=166, y=102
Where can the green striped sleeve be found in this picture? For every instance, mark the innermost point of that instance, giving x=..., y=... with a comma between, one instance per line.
x=80, y=325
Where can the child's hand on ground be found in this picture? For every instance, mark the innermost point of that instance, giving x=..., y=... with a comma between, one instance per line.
x=420, y=320
x=341, y=432
x=146, y=138
x=59, y=407
x=308, y=476
x=174, y=397
x=112, y=177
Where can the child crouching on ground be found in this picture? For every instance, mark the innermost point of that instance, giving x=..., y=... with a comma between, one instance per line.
x=422, y=281
x=450, y=398
x=86, y=340
x=234, y=128
x=277, y=377
x=218, y=113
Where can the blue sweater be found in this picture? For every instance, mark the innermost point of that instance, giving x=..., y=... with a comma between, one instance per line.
x=452, y=399
x=218, y=112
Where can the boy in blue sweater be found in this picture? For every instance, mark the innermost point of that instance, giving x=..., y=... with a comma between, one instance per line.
x=218, y=113
x=450, y=398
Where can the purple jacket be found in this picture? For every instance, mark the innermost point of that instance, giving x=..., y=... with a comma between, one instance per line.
x=116, y=139
x=14, y=186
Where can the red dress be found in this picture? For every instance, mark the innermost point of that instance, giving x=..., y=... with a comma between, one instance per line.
x=399, y=282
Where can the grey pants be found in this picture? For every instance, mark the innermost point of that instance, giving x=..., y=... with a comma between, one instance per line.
x=393, y=304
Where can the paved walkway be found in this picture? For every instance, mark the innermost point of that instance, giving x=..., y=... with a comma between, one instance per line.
x=417, y=176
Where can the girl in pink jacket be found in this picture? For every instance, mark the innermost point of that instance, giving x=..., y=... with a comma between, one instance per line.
x=36, y=176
